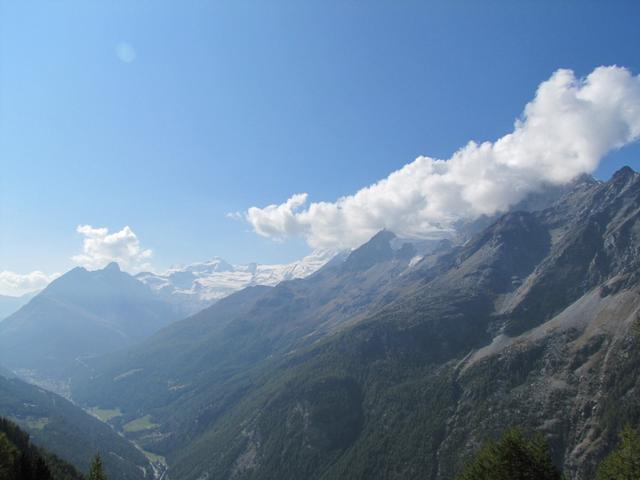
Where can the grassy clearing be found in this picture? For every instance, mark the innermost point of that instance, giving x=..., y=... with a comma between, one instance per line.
x=105, y=414
x=140, y=424
x=35, y=423
x=154, y=458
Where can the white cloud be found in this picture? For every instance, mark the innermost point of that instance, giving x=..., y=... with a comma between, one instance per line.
x=278, y=221
x=234, y=215
x=99, y=248
x=14, y=284
x=563, y=132
x=125, y=52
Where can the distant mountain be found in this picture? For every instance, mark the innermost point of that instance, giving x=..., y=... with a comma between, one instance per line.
x=68, y=432
x=80, y=314
x=398, y=364
x=9, y=305
x=198, y=285
x=233, y=335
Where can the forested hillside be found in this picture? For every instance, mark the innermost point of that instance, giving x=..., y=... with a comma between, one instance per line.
x=21, y=460
x=68, y=432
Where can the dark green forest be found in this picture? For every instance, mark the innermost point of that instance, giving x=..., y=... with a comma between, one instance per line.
x=514, y=456
x=20, y=459
x=64, y=429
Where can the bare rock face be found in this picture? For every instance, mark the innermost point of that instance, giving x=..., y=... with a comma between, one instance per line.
x=564, y=358
x=563, y=378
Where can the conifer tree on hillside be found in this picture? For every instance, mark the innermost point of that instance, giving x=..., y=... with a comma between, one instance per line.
x=21, y=460
x=623, y=463
x=512, y=457
x=96, y=472
x=8, y=455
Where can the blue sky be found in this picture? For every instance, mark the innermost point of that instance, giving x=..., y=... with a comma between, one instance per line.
x=229, y=105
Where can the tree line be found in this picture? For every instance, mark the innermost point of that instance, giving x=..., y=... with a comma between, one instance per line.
x=516, y=457
x=21, y=460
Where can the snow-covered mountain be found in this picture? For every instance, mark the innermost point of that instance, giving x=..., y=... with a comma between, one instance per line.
x=196, y=286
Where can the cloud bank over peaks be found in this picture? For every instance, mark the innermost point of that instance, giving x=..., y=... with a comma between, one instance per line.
x=13, y=284
x=100, y=248
x=565, y=131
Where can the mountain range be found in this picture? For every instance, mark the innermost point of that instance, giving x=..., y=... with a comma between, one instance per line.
x=395, y=360
x=84, y=313
x=391, y=363
x=197, y=286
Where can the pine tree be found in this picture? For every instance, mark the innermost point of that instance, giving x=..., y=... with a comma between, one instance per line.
x=624, y=462
x=96, y=472
x=512, y=457
x=41, y=470
x=8, y=455
x=23, y=467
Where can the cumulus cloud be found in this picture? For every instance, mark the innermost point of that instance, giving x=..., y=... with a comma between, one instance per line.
x=278, y=221
x=100, y=247
x=565, y=131
x=12, y=283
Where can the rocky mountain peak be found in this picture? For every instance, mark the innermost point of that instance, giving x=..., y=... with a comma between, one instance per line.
x=377, y=249
x=112, y=267
x=625, y=173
